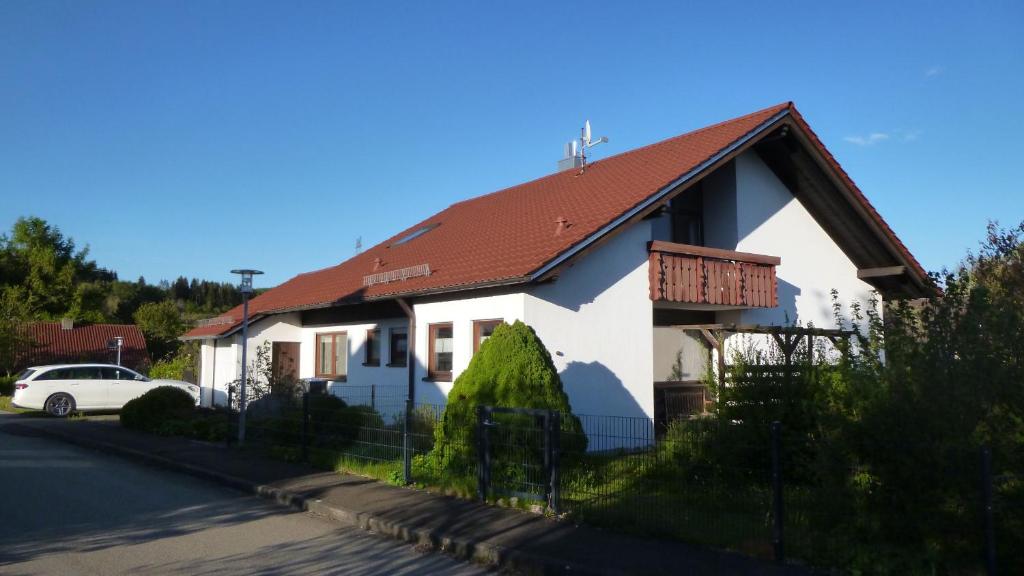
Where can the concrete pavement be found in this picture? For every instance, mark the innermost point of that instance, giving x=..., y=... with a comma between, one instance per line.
x=68, y=510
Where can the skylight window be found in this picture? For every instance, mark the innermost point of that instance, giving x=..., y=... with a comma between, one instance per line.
x=415, y=234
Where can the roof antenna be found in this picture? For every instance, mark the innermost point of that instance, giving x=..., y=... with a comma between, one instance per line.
x=587, y=142
x=575, y=153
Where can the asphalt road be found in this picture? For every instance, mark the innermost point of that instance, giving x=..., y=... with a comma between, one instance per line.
x=65, y=510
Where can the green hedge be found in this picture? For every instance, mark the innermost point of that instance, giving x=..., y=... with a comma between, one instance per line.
x=151, y=411
x=333, y=424
x=7, y=385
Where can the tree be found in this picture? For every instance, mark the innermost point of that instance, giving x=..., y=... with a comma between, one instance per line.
x=13, y=337
x=180, y=289
x=512, y=368
x=896, y=421
x=39, y=258
x=162, y=325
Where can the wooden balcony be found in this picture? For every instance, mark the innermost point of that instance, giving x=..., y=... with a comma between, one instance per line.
x=699, y=275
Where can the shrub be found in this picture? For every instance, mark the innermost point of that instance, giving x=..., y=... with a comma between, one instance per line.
x=153, y=409
x=333, y=424
x=423, y=423
x=174, y=367
x=511, y=369
x=7, y=385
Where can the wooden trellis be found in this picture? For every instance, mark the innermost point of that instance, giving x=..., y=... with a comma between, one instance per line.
x=787, y=337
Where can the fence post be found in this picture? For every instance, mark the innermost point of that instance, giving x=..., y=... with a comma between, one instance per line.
x=231, y=391
x=407, y=442
x=373, y=397
x=545, y=430
x=777, y=500
x=305, y=426
x=555, y=424
x=481, y=453
x=986, y=489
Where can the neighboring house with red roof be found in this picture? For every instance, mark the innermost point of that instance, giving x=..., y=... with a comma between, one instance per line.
x=65, y=343
x=750, y=221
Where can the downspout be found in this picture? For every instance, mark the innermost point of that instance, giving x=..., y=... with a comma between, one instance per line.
x=410, y=397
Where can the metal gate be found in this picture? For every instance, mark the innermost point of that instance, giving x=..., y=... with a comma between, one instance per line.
x=518, y=454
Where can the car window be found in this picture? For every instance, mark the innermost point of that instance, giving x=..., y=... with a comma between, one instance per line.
x=127, y=374
x=115, y=373
x=58, y=374
x=26, y=373
x=86, y=373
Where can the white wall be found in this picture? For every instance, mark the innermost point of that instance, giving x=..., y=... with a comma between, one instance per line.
x=596, y=321
x=748, y=209
x=672, y=345
x=207, y=367
x=220, y=364
x=720, y=208
x=461, y=313
x=360, y=377
x=771, y=221
x=276, y=328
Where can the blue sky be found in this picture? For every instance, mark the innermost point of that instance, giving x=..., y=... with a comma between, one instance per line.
x=189, y=138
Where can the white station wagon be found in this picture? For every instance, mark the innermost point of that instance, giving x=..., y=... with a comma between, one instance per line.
x=63, y=388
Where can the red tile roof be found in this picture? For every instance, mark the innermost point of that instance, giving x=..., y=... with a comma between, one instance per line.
x=87, y=343
x=507, y=236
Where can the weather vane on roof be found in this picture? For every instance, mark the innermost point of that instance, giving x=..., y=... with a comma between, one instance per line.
x=575, y=154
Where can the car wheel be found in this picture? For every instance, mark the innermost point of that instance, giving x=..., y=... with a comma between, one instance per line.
x=60, y=405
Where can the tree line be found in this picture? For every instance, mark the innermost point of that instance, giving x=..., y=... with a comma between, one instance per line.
x=46, y=276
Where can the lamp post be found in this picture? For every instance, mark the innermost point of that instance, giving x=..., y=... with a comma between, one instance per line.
x=246, y=289
x=116, y=343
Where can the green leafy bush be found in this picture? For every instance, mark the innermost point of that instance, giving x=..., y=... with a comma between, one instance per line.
x=511, y=369
x=7, y=385
x=333, y=424
x=882, y=434
x=153, y=409
x=175, y=366
x=423, y=423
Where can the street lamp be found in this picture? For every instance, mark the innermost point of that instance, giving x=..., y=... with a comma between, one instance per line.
x=246, y=289
x=116, y=343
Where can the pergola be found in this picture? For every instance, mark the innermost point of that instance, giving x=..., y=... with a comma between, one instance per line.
x=787, y=337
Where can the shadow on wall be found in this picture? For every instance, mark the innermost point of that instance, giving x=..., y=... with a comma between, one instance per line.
x=594, y=389
x=611, y=417
x=783, y=315
x=587, y=279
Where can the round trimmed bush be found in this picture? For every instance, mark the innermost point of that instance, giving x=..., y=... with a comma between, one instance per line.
x=511, y=369
x=150, y=411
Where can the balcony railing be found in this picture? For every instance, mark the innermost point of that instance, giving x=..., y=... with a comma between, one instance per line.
x=699, y=275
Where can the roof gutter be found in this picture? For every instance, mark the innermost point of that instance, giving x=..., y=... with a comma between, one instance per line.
x=657, y=196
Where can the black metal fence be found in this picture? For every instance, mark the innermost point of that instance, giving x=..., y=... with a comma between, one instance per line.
x=749, y=487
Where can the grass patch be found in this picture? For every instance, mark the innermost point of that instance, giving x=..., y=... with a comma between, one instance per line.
x=6, y=406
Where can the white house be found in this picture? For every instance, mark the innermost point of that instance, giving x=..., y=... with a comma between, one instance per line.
x=750, y=221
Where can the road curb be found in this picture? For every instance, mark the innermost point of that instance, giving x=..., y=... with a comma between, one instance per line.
x=479, y=551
